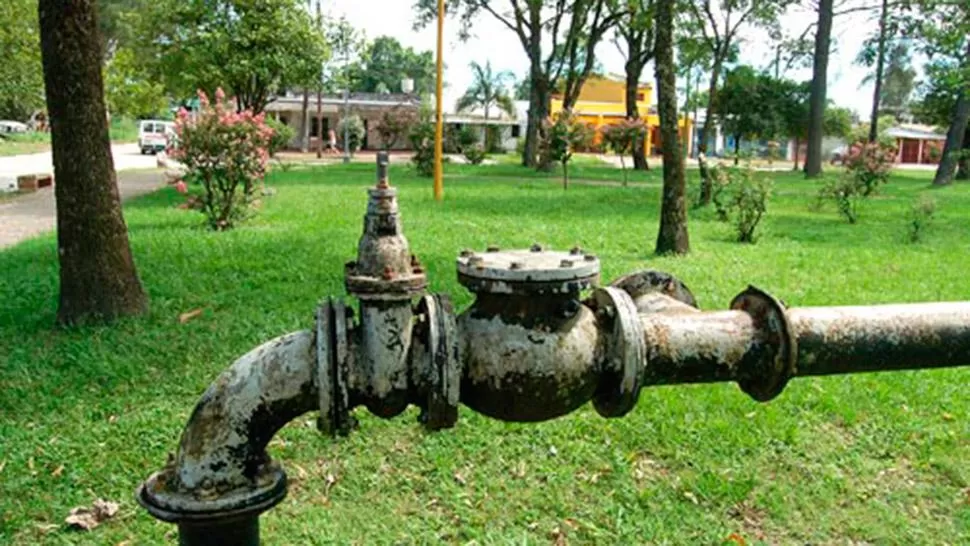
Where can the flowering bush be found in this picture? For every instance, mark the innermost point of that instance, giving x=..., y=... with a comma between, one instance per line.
x=869, y=165
x=225, y=152
x=353, y=128
x=621, y=138
x=560, y=138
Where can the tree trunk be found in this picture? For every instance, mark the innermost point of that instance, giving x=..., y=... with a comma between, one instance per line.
x=798, y=145
x=633, y=72
x=98, y=280
x=954, y=140
x=963, y=166
x=737, y=148
x=305, y=124
x=823, y=35
x=709, y=121
x=687, y=91
x=880, y=61
x=672, y=237
x=538, y=99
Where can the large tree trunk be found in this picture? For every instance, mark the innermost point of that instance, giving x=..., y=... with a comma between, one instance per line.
x=633, y=72
x=963, y=166
x=798, y=145
x=538, y=98
x=709, y=123
x=98, y=281
x=672, y=237
x=954, y=140
x=823, y=35
x=880, y=61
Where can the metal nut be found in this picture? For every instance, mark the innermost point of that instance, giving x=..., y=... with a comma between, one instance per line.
x=536, y=247
x=590, y=257
x=576, y=251
x=492, y=248
x=516, y=265
x=566, y=263
x=476, y=261
x=466, y=253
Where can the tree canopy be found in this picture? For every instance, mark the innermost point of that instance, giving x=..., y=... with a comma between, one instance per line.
x=252, y=48
x=384, y=63
x=21, y=76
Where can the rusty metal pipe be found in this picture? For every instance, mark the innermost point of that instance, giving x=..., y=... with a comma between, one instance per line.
x=221, y=478
x=838, y=340
x=706, y=347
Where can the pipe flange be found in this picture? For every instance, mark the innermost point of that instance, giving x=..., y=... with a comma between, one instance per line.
x=167, y=502
x=443, y=370
x=626, y=353
x=765, y=379
x=333, y=368
x=644, y=283
x=528, y=272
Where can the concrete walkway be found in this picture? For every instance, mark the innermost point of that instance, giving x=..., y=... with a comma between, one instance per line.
x=30, y=215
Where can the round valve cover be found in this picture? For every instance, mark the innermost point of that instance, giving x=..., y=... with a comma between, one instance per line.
x=529, y=271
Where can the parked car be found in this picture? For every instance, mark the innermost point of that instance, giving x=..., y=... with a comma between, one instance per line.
x=153, y=135
x=11, y=127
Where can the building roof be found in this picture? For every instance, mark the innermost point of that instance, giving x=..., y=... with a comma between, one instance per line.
x=293, y=99
x=916, y=131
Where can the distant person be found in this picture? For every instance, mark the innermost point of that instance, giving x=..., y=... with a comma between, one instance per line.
x=332, y=137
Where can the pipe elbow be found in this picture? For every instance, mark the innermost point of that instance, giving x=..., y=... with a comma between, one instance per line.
x=224, y=442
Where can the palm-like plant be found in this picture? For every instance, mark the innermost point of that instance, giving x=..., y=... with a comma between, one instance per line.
x=487, y=90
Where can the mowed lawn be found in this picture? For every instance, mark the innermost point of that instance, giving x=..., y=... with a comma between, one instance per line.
x=867, y=459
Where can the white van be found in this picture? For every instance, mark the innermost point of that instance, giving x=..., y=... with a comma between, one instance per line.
x=153, y=135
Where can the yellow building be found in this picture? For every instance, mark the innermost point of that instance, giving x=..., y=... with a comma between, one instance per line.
x=602, y=101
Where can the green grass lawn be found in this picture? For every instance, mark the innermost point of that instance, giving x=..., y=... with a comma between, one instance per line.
x=874, y=459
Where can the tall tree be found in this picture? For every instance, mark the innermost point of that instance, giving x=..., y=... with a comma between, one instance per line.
x=898, y=82
x=21, y=76
x=254, y=49
x=672, y=236
x=569, y=29
x=635, y=40
x=717, y=24
x=880, y=62
x=98, y=280
x=385, y=62
x=488, y=90
x=936, y=107
x=817, y=100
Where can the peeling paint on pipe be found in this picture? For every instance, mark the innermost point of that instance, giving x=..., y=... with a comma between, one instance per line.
x=837, y=340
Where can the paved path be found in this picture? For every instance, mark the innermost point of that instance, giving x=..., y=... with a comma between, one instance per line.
x=126, y=157
x=30, y=215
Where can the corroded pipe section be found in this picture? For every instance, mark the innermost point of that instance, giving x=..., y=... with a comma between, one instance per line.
x=837, y=340
x=221, y=472
x=718, y=346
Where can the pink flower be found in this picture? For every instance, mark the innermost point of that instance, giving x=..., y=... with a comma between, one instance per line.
x=181, y=187
x=220, y=95
x=203, y=99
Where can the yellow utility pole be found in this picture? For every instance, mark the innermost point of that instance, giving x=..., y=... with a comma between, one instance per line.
x=439, y=189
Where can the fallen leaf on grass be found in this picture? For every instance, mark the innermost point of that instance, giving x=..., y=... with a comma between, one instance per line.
x=189, y=315
x=58, y=471
x=691, y=497
x=3, y=464
x=460, y=479
x=735, y=538
x=46, y=528
x=86, y=518
x=947, y=416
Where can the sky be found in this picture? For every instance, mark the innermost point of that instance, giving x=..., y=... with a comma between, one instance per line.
x=495, y=43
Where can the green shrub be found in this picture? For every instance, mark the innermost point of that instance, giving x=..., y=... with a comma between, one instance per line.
x=353, y=127
x=422, y=142
x=845, y=191
x=749, y=201
x=475, y=154
x=921, y=215
x=282, y=135
x=467, y=138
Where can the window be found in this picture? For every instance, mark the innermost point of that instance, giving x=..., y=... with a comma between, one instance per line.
x=641, y=97
x=516, y=131
x=314, y=127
